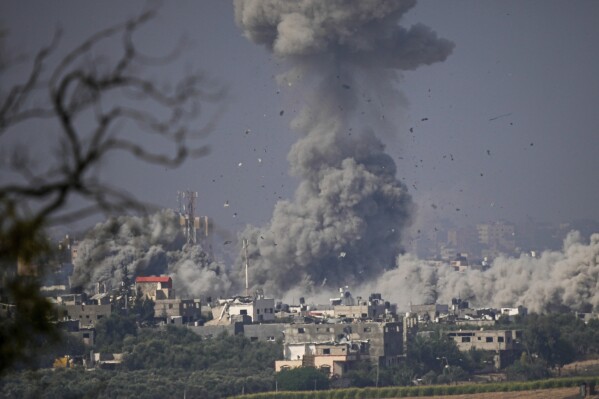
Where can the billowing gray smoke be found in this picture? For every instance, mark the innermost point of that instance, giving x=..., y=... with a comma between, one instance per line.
x=344, y=224
x=556, y=279
x=151, y=245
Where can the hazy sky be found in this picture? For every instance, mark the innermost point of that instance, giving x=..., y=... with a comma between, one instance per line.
x=506, y=127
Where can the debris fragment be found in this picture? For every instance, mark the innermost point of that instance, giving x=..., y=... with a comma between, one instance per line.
x=423, y=119
x=346, y=87
x=499, y=116
x=342, y=255
x=281, y=113
x=488, y=152
x=227, y=242
x=226, y=204
x=240, y=164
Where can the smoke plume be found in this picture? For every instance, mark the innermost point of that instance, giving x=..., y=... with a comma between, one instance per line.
x=345, y=221
x=555, y=280
x=146, y=246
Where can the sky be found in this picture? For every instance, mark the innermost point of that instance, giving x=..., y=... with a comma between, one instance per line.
x=505, y=128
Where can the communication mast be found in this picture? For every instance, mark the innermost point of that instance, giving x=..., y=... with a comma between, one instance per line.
x=245, y=247
x=187, y=208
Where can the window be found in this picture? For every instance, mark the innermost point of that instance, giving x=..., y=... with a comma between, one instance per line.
x=465, y=339
x=257, y=311
x=301, y=330
x=85, y=335
x=243, y=311
x=367, y=329
x=326, y=351
x=489, y=339
x=170, y=305
x=499, y=339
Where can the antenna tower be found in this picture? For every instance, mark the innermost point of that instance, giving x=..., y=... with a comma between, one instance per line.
x=187, y=208
x=245, y=248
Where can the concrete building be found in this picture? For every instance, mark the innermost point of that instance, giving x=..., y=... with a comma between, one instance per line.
x=505, y=343
x=380, y=342
x=496, y=237
x=333, y=358
x=375, y=308
x=88, y=315
x=430, y=311
x=258, y=308
x=169, y=310
x=155, y=287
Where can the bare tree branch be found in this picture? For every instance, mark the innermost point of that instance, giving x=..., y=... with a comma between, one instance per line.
x=74, y=86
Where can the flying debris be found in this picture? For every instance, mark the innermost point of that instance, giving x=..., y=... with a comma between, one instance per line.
x=489, y=152
x=499, y=116
x=346, y=87
x=240, y=164
x=424, y=119
x=281, y=113
x=342, y=255
x=227, y=242
x=226, y=204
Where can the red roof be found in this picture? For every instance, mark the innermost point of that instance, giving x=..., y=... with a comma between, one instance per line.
x=153, y=279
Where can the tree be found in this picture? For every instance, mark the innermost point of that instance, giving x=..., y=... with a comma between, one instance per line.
x=302, y=379
x=543, y=337
x=88, y=99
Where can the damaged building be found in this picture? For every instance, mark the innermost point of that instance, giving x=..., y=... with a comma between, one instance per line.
x=247, y=309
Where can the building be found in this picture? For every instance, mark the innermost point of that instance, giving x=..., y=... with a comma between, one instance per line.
x=258, y=308
x=431, y=311
x=170, y=310
x=155, y=287
x=333, y=358
x=88, y=315
x=497, y=237
x=372, y=309
x=505, y=343
x=336, y=346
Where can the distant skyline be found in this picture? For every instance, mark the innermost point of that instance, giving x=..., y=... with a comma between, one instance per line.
x=505, y=128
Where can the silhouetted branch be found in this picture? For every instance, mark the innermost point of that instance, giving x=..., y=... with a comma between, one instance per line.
x=91, y=100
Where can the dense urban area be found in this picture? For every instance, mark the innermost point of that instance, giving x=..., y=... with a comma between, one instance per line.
x=140, y=337
x=359, y=266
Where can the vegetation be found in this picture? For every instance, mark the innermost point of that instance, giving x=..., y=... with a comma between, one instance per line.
x=89, y=103
x=302, y=379
x=440, y=390
x=161, y=363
